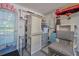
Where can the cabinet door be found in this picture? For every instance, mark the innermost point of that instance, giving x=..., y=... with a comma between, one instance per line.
x=35, y=34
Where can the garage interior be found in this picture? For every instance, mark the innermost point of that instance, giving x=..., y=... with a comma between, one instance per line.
x=39, y=29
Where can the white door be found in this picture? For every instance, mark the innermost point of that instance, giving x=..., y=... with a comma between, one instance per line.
x=35, y=34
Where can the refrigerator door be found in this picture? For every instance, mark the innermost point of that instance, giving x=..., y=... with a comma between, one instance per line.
x=7, y=30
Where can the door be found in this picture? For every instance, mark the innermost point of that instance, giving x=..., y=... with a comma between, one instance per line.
x=35, y=34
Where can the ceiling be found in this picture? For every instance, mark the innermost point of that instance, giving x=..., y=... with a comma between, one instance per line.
x=43, y=8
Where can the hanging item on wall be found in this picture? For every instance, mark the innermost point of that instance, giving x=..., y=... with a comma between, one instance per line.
x=58, y=21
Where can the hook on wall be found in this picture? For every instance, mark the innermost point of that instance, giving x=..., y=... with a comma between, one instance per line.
x=68, y=18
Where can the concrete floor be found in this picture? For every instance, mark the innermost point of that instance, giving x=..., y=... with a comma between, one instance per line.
x=39, y=53
x=45, y=50
x=25, y=53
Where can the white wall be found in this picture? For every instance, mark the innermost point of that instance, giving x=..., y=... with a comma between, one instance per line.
x=50, y=20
